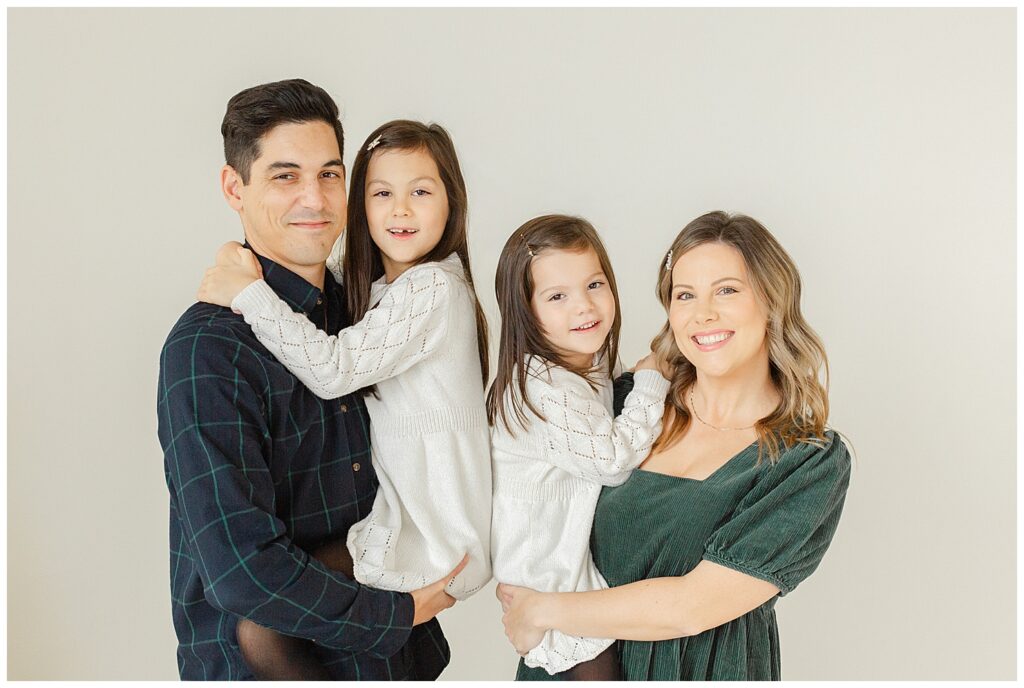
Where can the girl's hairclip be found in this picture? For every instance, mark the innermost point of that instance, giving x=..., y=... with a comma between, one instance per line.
x=373, y=143
x=668, y=260
x=529, y=249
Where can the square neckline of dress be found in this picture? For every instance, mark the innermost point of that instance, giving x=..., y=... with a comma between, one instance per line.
x=715, y=472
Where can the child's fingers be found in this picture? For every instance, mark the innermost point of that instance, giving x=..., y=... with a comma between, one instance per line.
x=249, y=258
x=228, y=253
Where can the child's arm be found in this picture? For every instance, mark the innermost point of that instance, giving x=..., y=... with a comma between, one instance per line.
x=582, y=437
x=409, y=324
x=236, y=268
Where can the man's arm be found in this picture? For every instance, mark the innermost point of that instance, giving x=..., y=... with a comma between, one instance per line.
x=214, y=434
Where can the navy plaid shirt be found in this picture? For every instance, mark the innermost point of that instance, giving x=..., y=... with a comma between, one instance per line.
x=260, y=472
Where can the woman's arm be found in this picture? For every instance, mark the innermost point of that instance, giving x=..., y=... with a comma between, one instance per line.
x=655, y=609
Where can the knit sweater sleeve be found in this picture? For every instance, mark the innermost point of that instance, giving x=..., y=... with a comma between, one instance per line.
x=582, y=437
x=407, y=325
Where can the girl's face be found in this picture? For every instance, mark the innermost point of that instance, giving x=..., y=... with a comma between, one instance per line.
x=406, y=207
x=719, y=324
x=572, y=302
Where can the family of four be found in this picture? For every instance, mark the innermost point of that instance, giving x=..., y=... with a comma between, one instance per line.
x=340, y=473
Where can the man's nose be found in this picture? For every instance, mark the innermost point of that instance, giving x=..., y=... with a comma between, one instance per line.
x=313, y=195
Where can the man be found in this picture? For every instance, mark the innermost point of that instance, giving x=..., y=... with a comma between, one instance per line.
x=260, y=470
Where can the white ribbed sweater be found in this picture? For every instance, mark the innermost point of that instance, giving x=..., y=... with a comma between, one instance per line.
x=428, y=430
x=547, y=479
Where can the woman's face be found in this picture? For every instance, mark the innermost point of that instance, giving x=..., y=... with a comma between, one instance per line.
x=718, y=322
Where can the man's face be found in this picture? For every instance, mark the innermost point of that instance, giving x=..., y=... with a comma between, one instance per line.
x=293, y=208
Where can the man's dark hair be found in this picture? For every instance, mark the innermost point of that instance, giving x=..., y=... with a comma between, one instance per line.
x=255, y=111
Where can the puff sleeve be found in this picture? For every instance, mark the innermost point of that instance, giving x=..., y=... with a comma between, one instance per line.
x=780, y=530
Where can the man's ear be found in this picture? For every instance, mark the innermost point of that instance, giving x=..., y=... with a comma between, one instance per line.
x=230, y=185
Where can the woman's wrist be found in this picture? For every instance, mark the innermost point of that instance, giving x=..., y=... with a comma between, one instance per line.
x=546, y=610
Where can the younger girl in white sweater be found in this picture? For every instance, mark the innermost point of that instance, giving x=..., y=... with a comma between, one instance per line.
x=418, y=349
x=554, y=441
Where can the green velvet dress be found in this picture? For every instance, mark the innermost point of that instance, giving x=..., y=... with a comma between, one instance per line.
x=772, y=522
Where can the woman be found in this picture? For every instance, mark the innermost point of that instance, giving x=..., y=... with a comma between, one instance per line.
x=742, y=492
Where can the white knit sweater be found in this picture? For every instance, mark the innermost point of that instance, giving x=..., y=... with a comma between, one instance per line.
x=428, y=430
x=547, y=479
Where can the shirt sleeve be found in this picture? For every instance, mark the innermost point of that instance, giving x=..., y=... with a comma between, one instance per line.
x=214, y=435
x=582, y=437
x=781, y=529
x=407, y=325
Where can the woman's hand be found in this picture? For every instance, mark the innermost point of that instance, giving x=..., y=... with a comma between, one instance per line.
x=235, y=270
x=430, y=601
x=520, y=606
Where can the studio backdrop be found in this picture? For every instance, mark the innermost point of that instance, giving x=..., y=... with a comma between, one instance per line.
x=878, y=146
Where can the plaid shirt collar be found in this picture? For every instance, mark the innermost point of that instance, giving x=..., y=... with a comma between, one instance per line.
x=296, y=292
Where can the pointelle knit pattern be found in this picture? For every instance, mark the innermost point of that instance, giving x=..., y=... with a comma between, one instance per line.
x=429, y=435
x=547, y=478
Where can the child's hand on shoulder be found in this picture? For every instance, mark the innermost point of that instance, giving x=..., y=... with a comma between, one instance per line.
x=236, y=268
x=652, y=362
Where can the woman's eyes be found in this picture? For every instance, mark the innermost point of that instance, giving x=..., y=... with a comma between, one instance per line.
x=687, y=296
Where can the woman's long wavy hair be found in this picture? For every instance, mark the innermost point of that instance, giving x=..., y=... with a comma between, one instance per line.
x=521, y=333
x=362, y=264
x=795, y=353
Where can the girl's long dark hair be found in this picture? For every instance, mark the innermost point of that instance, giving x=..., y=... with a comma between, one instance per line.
x=521, y=334
x=361, y=264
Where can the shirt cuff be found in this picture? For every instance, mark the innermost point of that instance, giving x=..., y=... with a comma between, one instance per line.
x=650, y=382
x=257, y=298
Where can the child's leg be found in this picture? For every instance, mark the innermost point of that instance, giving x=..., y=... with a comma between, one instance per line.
x=604, y=667
x=334, y=555
x=273, y=656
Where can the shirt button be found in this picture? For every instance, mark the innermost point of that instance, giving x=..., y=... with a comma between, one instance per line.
x=344, y=408
x=319, y=300
x=356, y=467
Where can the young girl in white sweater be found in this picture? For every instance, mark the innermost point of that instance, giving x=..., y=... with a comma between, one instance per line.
x=418, y=349
x=554, y=441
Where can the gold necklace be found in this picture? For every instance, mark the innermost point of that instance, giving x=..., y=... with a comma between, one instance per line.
x=693, y=407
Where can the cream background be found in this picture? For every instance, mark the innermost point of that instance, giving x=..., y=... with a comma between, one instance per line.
x=877, y=145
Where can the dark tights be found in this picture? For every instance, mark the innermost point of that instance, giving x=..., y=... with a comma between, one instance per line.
x=604, y=667
x=273, y=656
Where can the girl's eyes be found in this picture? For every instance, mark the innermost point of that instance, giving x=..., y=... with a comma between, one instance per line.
x=595, y=284
x=383, y=193
x=556, y=297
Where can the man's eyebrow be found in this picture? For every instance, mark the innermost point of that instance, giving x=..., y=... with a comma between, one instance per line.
x=281, y=165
